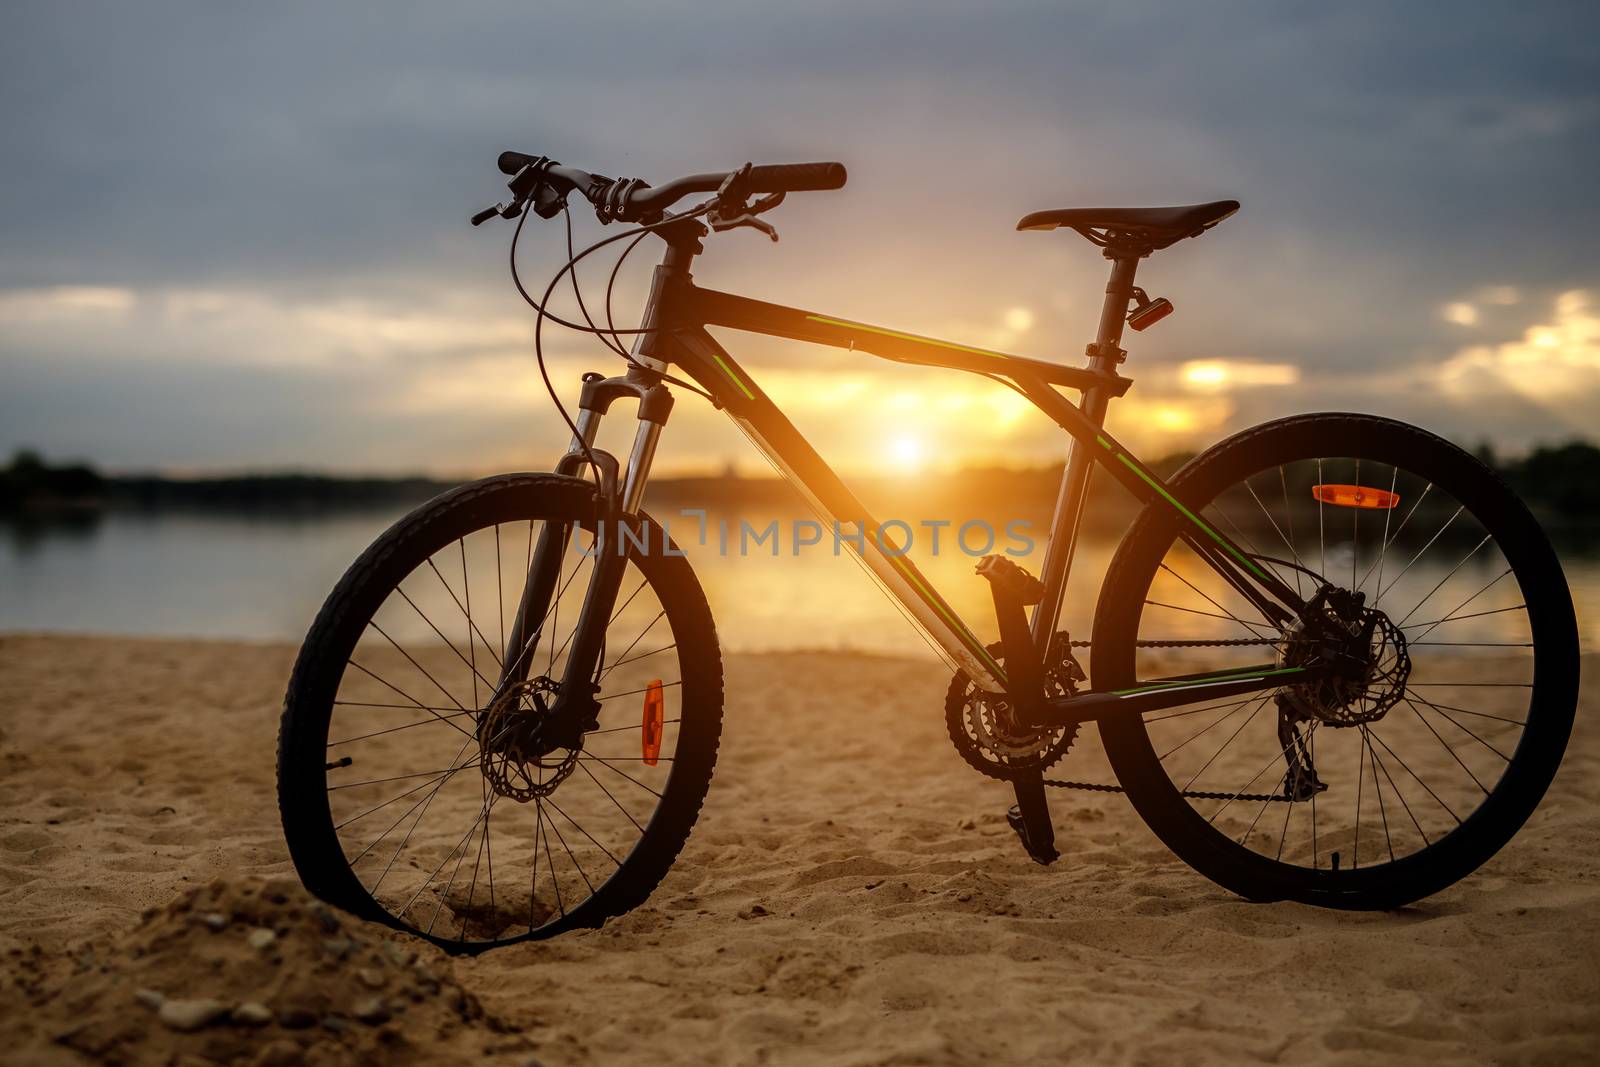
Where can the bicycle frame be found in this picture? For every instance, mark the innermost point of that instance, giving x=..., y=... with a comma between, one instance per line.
x=676, y=318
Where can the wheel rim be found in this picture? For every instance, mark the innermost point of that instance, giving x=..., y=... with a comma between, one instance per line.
x=471, y=858
x=1399, y=787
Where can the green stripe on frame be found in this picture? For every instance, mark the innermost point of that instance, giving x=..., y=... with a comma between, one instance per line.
x=933, y=601
x=1191, y=516
x=1197, y=682
x=897, y=335
x=733, y=377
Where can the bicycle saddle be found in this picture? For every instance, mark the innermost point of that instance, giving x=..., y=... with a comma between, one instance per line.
x=1155, y=227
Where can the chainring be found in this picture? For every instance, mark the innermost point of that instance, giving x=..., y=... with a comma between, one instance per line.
x=977, y=728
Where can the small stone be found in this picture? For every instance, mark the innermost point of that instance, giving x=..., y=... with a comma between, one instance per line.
x=215, y=920
x=372, y=1011
x=337, y=947
x=371, y=977
x=296, y=1019
x=187, y=1015
x=396, y=953
x=963, y=896
x=251, y=1013
x=261, y=938
x=150, y=999
x=334, y=1025
x=329, y=921
x=280, y=1053
x=754, y=911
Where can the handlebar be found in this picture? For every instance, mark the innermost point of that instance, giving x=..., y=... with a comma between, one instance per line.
x=634, y=200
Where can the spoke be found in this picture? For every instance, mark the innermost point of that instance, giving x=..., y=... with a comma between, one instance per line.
x=1423, y=719
x=581, y=830
x=1416, y=607
x=1413, y=773
x=1452, y=721
x=1383, y=550
x=400, y=796
x=633, y=692
x=1479, y=714
x=470, y=663
x=1451, y=615
x=1244, y=538
x=1218, y=722
x=1355, y=551
x=1470, y=685
x=1322, y=543
x=466, y=592
x=1361, y=773
x=1420, y=553
x=500, y=600
x=1288, y=518
x=533, y=867
x=642, y=583
x=613, y=799
x=439, y=904
x=640, y=656
x=400, y=707
x=1274, y=758
x=417, y=665
x=648, y=626
x=460, y=845
x=1474, y=615
x=1377, y=786
x=1196, y=611
x=1393, y=788
x=424, y=805
x=557, y=831
x=420, y=722
x=550, y=861
x=638, y=726
x=394, y=778
x=625, y=774
x=408, y=696
x=1259, y=705
x=1196, y=711
x=1398, y=530
x=1255, y=628
x=1311, y=747
x=467, y=610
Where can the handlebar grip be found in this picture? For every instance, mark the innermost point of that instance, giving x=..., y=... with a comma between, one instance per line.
x=513, y=162
x=792, y=177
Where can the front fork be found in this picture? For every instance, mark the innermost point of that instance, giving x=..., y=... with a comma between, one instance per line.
x=619, y=494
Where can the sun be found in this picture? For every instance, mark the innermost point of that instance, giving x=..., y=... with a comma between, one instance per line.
x=907, y=453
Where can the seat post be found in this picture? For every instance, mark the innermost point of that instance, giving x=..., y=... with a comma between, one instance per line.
x=1113, y=315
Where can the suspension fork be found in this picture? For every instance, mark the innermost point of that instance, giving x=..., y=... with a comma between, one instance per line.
x=617, y=528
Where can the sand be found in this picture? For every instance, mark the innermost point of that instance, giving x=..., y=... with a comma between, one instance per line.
x=852, y=895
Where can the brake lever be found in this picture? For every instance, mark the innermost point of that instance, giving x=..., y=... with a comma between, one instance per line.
x=719, y=220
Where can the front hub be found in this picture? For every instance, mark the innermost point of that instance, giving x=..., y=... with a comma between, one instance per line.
x=519, y=754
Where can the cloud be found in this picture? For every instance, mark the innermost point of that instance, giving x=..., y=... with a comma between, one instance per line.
x=1554, y=364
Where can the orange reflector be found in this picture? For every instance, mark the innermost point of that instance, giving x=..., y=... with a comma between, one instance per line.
x=1355, y=496
x=655, y=709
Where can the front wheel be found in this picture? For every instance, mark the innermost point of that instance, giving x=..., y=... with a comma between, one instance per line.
x=406, y=794
x=1369, y=792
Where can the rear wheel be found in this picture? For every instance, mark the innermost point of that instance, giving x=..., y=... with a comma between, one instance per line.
x=1369, y=793
x=401, y=802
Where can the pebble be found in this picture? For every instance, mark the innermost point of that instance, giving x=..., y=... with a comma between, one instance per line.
x=334, y=1024
x=186, y=1015
x=329, y=921
x=371, y=977
x=396, y=953
x=296, y=1019
x=149, y=998
x=261, y=938
x=251, y=1013
x=372, y=1011
x=215, y=920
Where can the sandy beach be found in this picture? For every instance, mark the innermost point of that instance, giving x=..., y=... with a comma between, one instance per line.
x=851, y=895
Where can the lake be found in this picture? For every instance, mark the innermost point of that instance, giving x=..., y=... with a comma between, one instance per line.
x=262, y=578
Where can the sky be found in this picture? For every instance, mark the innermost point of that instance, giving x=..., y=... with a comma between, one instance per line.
x=234, y=237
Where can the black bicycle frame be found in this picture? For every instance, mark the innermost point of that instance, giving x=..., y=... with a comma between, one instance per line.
x=677, y=316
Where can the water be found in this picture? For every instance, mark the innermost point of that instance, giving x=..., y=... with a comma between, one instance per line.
x=261, y=578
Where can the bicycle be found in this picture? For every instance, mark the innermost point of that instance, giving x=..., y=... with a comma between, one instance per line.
x=593, y=748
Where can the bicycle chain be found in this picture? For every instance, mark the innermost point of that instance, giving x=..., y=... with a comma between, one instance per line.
x=1192, y=794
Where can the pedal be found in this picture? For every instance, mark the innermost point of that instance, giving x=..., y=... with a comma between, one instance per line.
x=1030, y=818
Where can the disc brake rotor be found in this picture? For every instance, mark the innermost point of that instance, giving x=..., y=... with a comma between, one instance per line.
x=513, y=767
